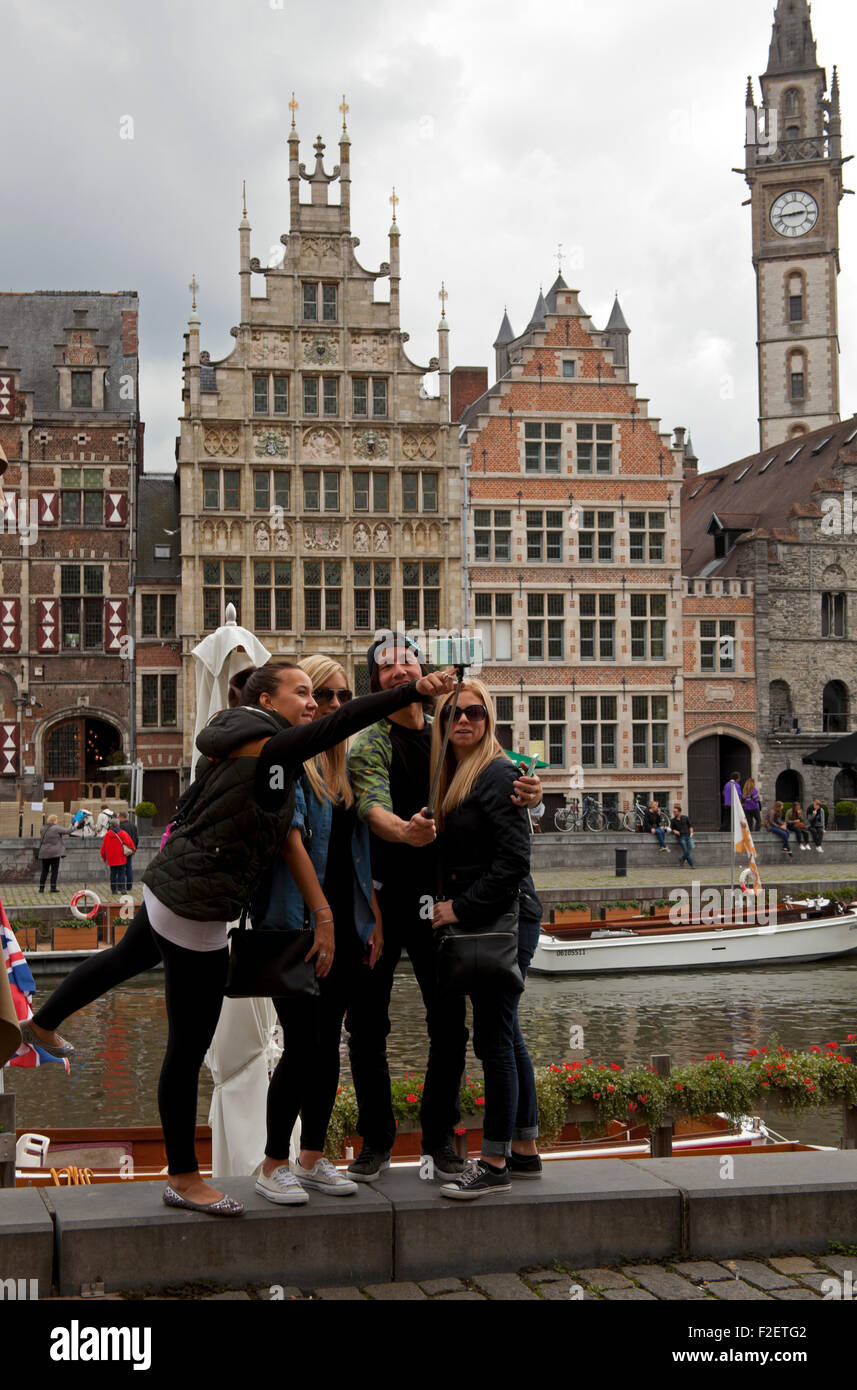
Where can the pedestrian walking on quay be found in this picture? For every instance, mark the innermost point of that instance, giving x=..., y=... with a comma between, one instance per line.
x=734, y=780
x=116, y=846
x=683, y=830
x=752, y=803
x=484, y=860
x=126, y=824
x=51, y=850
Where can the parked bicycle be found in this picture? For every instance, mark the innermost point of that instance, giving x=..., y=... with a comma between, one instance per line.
x=572, y=817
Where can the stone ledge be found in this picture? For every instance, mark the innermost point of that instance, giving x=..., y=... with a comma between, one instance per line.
x=26, y=1238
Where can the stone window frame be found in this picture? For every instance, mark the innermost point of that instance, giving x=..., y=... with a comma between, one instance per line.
x=220, y=505
x=545, y=625
x=786, y=116
x=498, y=615
x=834, y=612
x=714, y=640
x=272, y=588
x=642, y=627
x=598, y=617
x=421, y=596
x=373, y=504
x=552, y=717
x=544, y=449
x=162, y=679
x=376, y=592
x=597, y=439
x=493, y=532
x=371, y=397
x=649, y=723
x=273, y=476
x=601, y=722
x=330, y=595
x=794, y=272
x=600, y=536
x=422, y=505
x=649, y=533
x=227, y=591
x=315, y=285
x=798, y=354
x=161, y=620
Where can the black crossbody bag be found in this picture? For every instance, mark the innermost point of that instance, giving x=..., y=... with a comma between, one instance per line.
x=267, y=963
x=473, y=958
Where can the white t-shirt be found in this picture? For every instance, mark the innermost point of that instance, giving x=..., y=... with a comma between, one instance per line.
x=183, y=931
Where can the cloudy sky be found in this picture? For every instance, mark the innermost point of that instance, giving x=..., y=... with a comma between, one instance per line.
x=609, y=126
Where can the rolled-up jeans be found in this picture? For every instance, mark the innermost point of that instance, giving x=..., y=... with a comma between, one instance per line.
x=493, y=1043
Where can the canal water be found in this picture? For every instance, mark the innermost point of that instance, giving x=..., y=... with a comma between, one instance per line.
x=121, y=1038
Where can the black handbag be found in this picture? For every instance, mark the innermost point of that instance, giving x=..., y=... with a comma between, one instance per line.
x=266, y=964
x=477, y=958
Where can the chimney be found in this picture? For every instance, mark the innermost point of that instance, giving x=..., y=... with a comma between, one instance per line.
x=468, y=384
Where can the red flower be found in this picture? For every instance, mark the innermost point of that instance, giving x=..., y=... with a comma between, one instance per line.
x=461, y=1130
x=611, y=1089
x=722, y=1054
x=709, y=1056
x=412, y=1098
x=852, y=1037
x=596, y=1095
x=679, y=1086
x=834, y=1046
x=781, y=1066
x=766, y=1085
x=631, y=1105
x=644, y=1099
x=480, y=1100
x=754, y=1052
x=763, y=1049
x=420, y=1087
x=814, y=1048
x=552, y=1068
x=615, y=1066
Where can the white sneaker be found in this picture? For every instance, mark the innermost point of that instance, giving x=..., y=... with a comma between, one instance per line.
x=820, y=850
x=325, y=1177
x=281, y=1187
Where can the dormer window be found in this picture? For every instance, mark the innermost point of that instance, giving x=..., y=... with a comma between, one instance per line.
x=81, y=389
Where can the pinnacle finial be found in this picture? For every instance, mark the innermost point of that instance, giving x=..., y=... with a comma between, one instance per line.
x=244, y=196
x=193, y=287
x=750, y=98
x=293, y=107
x=443, y=296
x=344, y=108
x=394, y=200
x=559, y=257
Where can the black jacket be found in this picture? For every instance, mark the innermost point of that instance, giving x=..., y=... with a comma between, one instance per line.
x=241, y=816
x=485, y=848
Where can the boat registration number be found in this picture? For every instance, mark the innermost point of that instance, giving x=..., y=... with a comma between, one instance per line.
x=569, y=953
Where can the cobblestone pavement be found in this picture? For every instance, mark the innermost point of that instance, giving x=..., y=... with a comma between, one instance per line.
x=784, y=1278
x=28, y=895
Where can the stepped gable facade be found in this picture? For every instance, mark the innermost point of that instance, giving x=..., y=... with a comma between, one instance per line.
x=320, y=483
x=768, y=545
x=71, y=434
x=573, y=557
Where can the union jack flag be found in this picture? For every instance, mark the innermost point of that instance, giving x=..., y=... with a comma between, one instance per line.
x=23, y=988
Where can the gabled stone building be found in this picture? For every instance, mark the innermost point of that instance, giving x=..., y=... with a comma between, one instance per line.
x=320, y=483
x=573, y=557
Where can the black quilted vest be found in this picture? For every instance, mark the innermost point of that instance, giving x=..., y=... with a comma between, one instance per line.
x=207, y=868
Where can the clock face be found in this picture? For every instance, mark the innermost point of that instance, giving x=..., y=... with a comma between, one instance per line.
x=794, y=213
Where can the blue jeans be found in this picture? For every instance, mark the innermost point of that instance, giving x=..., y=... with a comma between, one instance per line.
x=782, y=832
x=659, y=831
x=684, y=841
x=527, y=1117
x=117, y=878
x=129, y=872
x=511, y=1104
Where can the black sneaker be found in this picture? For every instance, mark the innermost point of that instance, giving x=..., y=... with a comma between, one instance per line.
x=479, y=1180
x=368, y=1165
x=524, y=1165
x=445, y=1163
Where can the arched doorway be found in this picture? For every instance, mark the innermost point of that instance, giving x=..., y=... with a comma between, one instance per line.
x=845, y=785
x=835, y=708
x=711, y=762
x=75, y=749
x=789, y=786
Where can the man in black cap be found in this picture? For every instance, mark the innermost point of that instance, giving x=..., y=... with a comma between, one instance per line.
x=389, y=765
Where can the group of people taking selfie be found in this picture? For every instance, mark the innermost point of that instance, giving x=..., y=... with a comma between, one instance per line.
x=288, y=824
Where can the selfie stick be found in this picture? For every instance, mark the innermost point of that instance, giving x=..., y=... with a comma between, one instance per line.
x=429, y=811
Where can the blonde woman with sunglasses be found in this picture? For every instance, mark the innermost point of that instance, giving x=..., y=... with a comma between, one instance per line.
x=484, y=857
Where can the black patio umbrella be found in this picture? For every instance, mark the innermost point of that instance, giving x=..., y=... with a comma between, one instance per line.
x=841, y=753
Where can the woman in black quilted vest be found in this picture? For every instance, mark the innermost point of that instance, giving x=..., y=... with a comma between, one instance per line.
x=236, y=819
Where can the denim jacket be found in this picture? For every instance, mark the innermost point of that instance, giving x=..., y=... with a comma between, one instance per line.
x=278, y=903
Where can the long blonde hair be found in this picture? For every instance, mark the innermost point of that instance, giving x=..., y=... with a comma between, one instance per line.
x=327, y=773
x=457, y=778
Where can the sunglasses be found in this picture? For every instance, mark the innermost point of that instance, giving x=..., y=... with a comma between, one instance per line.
x=324, y=695
x=474, y=714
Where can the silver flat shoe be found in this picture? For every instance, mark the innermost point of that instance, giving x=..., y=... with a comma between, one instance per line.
x=225, y=1206
x=65, y=1050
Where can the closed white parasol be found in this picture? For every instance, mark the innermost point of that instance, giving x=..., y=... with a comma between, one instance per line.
x=243, y=1051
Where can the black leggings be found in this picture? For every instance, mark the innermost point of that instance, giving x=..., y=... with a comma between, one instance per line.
x=136, y=952
x=194, y=982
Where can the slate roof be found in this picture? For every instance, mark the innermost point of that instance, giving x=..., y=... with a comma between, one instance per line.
x=758, y=492
x=157, y=514
x=34, y=327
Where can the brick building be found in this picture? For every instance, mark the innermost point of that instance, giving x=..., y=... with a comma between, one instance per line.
x=573, y=557
x=157, y=646
x=320, y=483
x=71, y=432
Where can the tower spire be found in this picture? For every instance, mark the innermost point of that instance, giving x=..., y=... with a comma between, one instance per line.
x=792, y=44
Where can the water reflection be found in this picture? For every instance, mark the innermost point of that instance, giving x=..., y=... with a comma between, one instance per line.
x=121, y=1038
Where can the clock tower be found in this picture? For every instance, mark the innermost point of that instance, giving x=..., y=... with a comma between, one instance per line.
x=793, y=165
